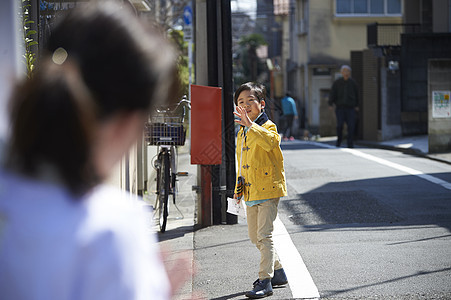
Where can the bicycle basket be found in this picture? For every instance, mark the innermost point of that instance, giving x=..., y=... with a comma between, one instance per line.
x=165, y=130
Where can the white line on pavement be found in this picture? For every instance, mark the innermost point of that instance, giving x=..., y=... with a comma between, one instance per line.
x=387, y=163
x=399, y=167
x=301, y=283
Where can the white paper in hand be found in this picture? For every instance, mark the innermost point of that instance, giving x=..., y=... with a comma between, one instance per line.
x=236, y=207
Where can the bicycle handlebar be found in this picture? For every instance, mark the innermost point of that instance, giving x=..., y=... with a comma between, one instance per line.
x=184, y=101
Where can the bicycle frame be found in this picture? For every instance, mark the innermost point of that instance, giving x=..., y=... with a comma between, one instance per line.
x=172, y=152
x=165, y=132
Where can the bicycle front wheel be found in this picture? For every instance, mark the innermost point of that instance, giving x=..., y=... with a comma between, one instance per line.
x=164, y=190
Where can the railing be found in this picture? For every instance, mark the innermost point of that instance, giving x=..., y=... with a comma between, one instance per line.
x=388, y=35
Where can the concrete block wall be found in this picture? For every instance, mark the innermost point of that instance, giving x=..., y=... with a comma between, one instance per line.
x=439, y=129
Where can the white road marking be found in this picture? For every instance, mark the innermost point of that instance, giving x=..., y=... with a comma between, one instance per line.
x=390, y=164
x=299, y=278
x=399, y=167
x=301, y=283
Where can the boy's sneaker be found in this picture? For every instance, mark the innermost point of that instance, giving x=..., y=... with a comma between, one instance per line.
x=280, y=278
x=262, y=288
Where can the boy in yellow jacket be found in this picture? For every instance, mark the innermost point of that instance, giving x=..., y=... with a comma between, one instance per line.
x=261, y=164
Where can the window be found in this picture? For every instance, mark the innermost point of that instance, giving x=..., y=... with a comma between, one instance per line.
x=344, y=6
x=377, y=7
x=360, y=6
x=394, y=6
x=368, y=7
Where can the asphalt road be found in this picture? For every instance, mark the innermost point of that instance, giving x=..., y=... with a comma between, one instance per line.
x=367, y=223
x=366, y=227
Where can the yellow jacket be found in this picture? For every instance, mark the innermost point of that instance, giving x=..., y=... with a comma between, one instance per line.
x=261, y=161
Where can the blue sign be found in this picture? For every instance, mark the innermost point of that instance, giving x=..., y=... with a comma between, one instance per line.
x=188, y=15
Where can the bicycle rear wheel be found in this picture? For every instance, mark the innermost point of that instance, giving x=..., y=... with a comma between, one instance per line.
x=163, y=190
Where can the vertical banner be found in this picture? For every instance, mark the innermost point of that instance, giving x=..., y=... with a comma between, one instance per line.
x=206, y=129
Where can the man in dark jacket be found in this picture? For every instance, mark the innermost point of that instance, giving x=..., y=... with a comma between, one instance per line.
x=345, y=96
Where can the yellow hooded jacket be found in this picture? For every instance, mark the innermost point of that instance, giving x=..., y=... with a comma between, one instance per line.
x=261, y=161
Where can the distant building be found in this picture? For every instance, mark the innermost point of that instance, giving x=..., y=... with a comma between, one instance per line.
x=325, y=33
x=409, y=61
x=268, y=27
x=242, y=25
x=386, y=42
x=271, y=19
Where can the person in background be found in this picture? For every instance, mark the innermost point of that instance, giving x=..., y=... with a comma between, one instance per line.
x=345, y=97
x=261, y=160
x=290, y=113
x=63, y=233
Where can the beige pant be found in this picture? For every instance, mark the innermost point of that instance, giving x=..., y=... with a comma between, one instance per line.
x=260, y=223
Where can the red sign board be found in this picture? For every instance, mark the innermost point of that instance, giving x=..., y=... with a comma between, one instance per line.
x=206, y=129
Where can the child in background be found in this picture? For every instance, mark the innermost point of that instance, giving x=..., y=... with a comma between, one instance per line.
x=261, y=166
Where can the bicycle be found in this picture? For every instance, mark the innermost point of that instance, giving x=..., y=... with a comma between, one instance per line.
x=166, y=130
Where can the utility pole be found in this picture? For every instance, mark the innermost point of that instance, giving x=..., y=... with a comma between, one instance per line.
x=219, y=69
x=219, y=45
x=227, y=110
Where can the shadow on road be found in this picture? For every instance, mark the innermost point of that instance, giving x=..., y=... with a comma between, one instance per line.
x=231, y=296
x=175, y=233
x=344, y=291
x=371, y=203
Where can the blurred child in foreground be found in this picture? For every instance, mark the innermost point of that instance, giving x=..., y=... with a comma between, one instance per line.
x=64, y=234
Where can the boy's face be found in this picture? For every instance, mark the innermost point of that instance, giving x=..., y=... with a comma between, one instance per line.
x=250, y=103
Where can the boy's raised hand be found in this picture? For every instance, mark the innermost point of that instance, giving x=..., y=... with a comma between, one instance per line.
x=244, y=118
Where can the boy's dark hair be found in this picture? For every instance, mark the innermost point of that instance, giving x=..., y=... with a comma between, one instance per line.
x=110, y=64
x=257, y=89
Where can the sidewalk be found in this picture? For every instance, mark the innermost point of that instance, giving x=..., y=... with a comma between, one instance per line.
x=178, y=239
x=223, y=258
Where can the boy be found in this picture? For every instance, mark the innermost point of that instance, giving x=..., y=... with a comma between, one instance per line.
x=261, y=165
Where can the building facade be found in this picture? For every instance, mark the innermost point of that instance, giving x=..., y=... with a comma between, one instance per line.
x=389, y=44
x=132, y=172
x=325, y=33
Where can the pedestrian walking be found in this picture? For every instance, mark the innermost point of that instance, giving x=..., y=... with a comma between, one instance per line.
x=63, y=233
x=345, y=97
x=290, y=114
x=263, y=176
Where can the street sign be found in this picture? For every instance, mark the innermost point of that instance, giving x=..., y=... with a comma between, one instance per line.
x=188, y=15
x=188, y=26
x=187, y=33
